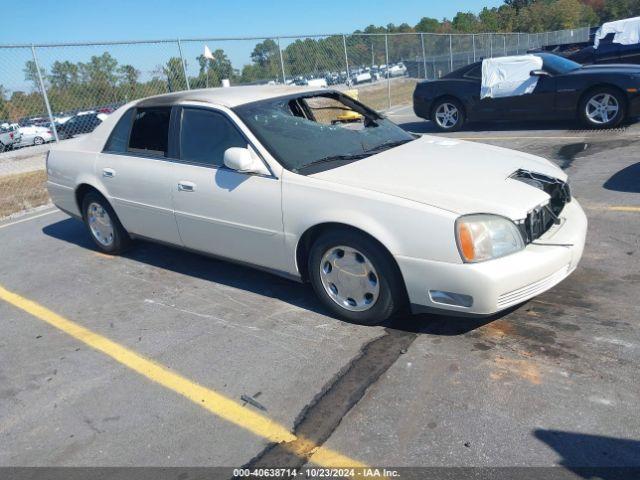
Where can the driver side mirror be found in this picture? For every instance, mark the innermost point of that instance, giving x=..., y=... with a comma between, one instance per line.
x=244, y=160
x=539, y=73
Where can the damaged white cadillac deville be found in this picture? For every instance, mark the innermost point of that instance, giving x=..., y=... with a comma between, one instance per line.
x=315, y=186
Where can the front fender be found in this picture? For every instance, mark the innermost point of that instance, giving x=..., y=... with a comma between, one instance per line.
x=402, y=226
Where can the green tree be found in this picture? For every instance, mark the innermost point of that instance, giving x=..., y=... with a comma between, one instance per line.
x=264, y=53
x=465, y=22
x=266, y=62
x=31, y=74
x=128, y=79
x=174, y=73
x=99, y=76
x=428, y=25
x=64, y=74
x=100, y=70
x=213, y=70
x=519, y=4
x=4, y=107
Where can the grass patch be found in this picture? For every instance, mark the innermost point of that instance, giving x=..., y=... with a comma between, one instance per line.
x=377, y=96
x=22, y=191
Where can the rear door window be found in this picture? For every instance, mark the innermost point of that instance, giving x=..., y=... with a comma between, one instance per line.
x=205, y=135
x=150, y=131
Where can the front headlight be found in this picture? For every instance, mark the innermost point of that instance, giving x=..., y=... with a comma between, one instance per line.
x=482, y=237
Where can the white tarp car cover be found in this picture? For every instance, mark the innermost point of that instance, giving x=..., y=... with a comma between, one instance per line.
x=509, y=76
x=627, y=31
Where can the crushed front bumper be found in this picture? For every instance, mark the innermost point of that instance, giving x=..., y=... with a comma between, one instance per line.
x=498, y=284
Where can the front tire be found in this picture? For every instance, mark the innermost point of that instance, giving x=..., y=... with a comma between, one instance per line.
x=103, y=225
x=355, y=278
x=602, y=108
x=447, y=115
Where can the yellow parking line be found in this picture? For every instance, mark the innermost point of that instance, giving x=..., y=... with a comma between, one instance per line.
x=613, y=208
x=206, y=398
x=519, y=138
x=622, y=208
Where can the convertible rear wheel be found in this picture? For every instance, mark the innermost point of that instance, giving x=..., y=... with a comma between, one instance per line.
x=602, y=108
x=355, y=278
x=103, y=224
x=448, y=115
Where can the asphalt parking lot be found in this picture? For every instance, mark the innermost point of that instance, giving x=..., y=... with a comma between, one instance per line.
x=166, y=358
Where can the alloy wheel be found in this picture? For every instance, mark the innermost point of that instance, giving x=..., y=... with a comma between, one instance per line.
x=447, y=115
x=602, y=108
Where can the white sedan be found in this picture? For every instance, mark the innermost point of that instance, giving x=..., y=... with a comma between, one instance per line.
x=376, y=219
x=34, y=135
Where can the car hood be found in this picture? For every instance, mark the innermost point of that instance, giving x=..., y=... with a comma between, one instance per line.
x=458, y=176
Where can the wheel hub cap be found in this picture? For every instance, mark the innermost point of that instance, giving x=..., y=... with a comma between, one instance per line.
x=349, y=278
x=447, y=115
x=100, y=224
x=602, y=108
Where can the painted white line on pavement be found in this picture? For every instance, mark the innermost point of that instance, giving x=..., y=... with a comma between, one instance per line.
x=22, y=220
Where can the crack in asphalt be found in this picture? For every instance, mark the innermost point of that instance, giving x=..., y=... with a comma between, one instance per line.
x=321, y=417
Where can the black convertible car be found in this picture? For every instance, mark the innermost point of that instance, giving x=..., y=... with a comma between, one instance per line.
x=600, y=96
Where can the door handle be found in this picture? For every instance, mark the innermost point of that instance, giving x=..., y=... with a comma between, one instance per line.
x=108, y=172
x=184, y=186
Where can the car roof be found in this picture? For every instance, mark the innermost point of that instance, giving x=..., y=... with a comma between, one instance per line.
x=225, y=96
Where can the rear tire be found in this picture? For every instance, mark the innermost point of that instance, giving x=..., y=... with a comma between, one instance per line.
x=2, y=147
x=602, y=108
x=103, y=225
x=447, y=114
x=38, y=141
x=355, y=278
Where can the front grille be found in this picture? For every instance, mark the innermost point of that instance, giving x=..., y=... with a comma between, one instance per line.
x=540, y=219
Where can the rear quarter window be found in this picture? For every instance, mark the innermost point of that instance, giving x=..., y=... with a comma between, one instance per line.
x=119, y=138
x=474, y=73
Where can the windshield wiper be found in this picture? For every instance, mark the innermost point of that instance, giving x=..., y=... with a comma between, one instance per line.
x=334, y=158
x=387, y=145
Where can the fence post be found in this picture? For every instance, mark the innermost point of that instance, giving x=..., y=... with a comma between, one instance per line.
x=386, y=54
x=504, y=44
x=518, y=44
x=284, y=78
x=473, y=40
x=184, y=66
x=424, y=56
x=491, y=45
x=450, y=53
x=44, y=94
x=346, y=57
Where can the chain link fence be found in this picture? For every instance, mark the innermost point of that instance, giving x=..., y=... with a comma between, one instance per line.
x=49, y=93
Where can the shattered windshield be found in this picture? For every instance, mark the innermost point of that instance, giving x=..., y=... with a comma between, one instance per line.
x=307, y=134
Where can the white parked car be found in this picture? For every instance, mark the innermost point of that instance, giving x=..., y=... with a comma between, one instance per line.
x=9, y=136
x=363, y=77
x=374, y=218
x=398, y=70
x=34, y=135
x=317, y=83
